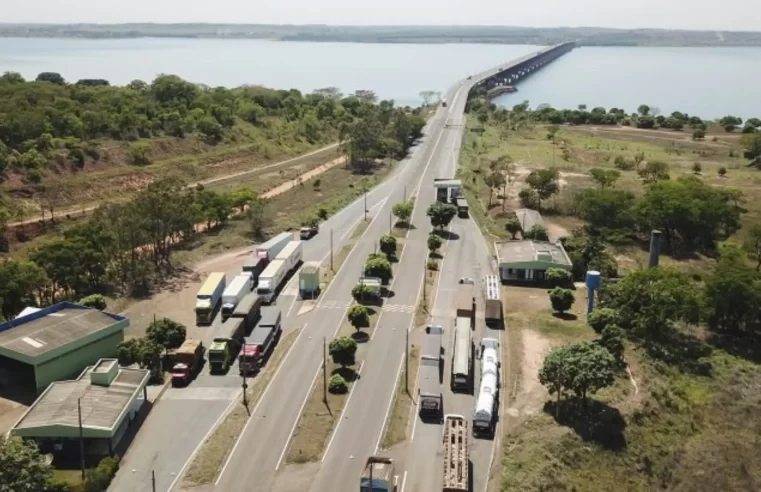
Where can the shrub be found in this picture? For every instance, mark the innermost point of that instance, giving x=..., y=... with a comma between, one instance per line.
x=433, y=265
x=343, y=351
x=338, y=385
x=537, y=233
x=601, y=318
x=434, y=242
x=722, y=171
x=388, y=245
x=622, y=164
x=561, y=299
x=557, y=277
x=140, y=153
x=95, y=301
x=358, y=316
x=361, y=293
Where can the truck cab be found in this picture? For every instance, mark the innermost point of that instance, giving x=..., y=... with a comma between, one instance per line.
x=308, y=232
x=181, y=374
x=379, y=475
x=219, y=356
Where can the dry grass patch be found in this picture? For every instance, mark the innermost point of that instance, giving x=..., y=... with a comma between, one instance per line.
x=396, y=428
x=209, y=460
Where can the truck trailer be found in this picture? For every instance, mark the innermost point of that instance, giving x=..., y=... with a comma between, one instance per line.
x=309, y=280
x=241, y=285
x=187, y=361
x=291, y=254
x=270, y=280
x=455, y=454
x=255, y=266
x=462, y=362
x=249, y=310
x=209, y=297
x=465, y=299
x=257, y=347
x=225, y=347
x=492, y=302
x=462, y=207
x=378, y=475
x=269, y=250
x=487, y=401
x=430, y=375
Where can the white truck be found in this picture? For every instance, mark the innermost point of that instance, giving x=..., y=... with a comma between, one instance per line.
x=269, y=250
x=270, y=280
x=485, y=413
x=291, y=254
x=430, y=396
x=241, y=285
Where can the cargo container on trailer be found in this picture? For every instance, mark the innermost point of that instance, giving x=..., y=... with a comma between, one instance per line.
x=209, y=297
x=240, y=286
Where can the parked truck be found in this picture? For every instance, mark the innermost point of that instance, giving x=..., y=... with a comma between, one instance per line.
x=462, y=363
x=269, y=250
x=235, y=292
x=209, y=297
x=224, y=349
x=187, y=361
x=291, y=254
x=455, y=454
x=249, y=310
x=255, y=266
x=270, y=281
x=487, y=401
x=462, y=207
x=309, y=280
x=378, y=475
x=492, y=302
x=257, y=347
x=430, y=375
x=466, y=302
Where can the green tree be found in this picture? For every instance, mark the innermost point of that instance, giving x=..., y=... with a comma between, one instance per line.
x=544, y=182
x=494, y=181
x=555, y=373
x=380, y=267
x=434, y=243
x=602, y=317
x=95, y=301
x=388, y=245
x=607, y=209
x=140, y=152
x=730, y=123
x=403, y=211
x=561, y=299
x=696, y=168
x=751, y=142
x=529, y=198
x=643, y=109
x=604, y=177
x=241, y=198
x=537, y=233
x=441, y=214
x=258, y=216
x=21, y=283
x=752, y=244
x=698, y=134
x=52, y=77
x=590, y=367
x=612, y=340
x=513, y=226
x=358, y=316
x=22, y=467
x=733, y=295
x=361, y=293
x=140, y=351
x=622, y=164
x=166, y=333
x=343, y=350
x=654, y=171
x=552, y=132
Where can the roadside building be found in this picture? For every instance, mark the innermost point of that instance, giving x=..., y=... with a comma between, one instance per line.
x=106, y=398
x=529, y=260
x=528, y=218
x=56, y=343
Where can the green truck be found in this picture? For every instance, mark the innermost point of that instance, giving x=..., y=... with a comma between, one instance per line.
x=224, y=349
x=309, y=280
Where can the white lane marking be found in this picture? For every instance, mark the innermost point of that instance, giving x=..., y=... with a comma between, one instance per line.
x=293, y=302
x=404, y=481
x=253, y=412
x=348, y=399
x=390, y=401
x=198, y=447
x=298, y=417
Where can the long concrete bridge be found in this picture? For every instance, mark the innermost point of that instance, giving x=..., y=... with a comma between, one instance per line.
x=519, y=69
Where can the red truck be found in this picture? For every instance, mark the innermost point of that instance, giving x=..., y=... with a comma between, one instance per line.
x=187, y=362
x=257, y=347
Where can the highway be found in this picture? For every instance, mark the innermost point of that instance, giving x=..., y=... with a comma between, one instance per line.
x=183, y=418
x=275, y=418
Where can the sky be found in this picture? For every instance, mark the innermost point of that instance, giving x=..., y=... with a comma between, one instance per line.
x=676, y=14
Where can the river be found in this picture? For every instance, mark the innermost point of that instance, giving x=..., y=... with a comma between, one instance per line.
x=708, y=82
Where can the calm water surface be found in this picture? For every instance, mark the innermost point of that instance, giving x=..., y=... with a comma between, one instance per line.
x=709, y=82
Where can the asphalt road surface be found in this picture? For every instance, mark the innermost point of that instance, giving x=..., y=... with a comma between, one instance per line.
x=275, y=418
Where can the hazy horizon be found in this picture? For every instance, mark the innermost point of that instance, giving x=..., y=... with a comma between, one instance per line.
x=734, y=15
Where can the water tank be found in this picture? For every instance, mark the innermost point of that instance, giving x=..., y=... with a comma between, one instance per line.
x=593, y=280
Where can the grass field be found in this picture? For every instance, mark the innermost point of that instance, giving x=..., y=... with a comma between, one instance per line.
x=656, y=428
x=579, y=149
x=211, y=456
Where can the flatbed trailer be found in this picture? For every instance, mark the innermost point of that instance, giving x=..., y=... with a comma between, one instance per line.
x=455, y=454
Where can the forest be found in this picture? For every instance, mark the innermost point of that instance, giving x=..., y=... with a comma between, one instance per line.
x=126, y=247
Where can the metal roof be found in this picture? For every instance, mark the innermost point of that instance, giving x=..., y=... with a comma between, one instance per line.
x=103, y=407
x=532, y=252
x=40, y=334
x=528, y=218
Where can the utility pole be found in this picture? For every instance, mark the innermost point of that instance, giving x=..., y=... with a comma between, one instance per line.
x=405, y=193
x=153, y=480
x=324, y=370
x=425, y=279
x=365, y=204
x=331, y=250
x=407, y=362
x=81, y=439
x=245, y=387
